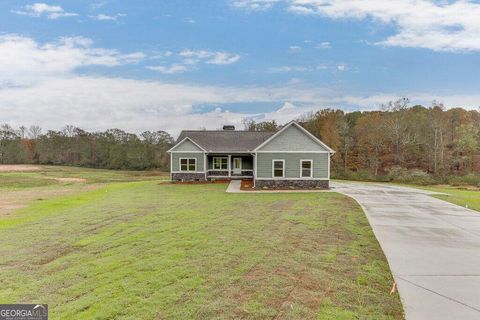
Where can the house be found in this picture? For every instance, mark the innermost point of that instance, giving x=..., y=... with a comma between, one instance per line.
x=291, y=157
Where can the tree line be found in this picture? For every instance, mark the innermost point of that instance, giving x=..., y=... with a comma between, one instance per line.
x=111, y=149
x=432, y=140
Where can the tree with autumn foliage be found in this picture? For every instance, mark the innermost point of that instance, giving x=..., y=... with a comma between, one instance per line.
x=432, y=140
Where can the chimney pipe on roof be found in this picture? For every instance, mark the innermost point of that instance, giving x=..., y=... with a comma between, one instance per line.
x=228, y=128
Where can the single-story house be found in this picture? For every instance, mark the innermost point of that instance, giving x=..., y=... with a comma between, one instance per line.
x=291, y=157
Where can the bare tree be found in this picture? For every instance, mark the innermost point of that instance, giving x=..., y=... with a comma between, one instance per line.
x=34, y=132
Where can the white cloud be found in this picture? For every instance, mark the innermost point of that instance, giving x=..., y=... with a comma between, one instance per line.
x=189, y=20
x=341, y=67
x=201, y=54
x=442, y=26
x=254, y=5
x=223, y=58
x=22, y=58
x=294, y=49
x=161, y=55
x=99, y=103
x=97, y=5
x=209, y=57
x=105, y=17
x=43, y=9
x=429, y=24
x=38, y=85
x=286, y=69
x=174, y=68
x=324, y=45
x=191, y=58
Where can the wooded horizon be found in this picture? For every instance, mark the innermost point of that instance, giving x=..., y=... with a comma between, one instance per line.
x=434, y=140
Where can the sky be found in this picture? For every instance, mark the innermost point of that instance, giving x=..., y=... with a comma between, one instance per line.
x=172, y=65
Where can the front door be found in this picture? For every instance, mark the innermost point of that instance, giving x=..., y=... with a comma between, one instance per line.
x=237, y=165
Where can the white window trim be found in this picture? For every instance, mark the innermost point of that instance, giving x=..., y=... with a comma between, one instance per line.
x=311, y=168
x=273, y=168
x=188, y=164
x=213, y=163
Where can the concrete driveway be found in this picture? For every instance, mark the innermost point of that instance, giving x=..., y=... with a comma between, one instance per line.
x=432, y=246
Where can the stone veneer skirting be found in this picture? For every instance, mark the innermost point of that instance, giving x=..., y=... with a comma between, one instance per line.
x=178, y=176
x=292, y=184
x=218, y=173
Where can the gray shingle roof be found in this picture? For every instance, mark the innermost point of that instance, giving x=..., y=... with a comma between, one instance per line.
x=229, y=141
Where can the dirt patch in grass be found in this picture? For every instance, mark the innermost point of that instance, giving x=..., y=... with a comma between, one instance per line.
x=19, y=168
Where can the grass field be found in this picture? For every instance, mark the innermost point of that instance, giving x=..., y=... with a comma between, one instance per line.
x=143, y=249
x=460, y=196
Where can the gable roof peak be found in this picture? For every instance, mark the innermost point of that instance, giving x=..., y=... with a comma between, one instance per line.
x=183, y=140
x=305, y=131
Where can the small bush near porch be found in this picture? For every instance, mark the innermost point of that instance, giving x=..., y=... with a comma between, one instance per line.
x=144, y=250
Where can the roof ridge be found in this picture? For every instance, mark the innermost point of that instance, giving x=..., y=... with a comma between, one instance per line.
x=228, y=131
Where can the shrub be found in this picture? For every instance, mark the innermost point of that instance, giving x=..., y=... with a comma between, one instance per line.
x=409, y=176
x=466, y=180
x=413, y=176
x=361, y=175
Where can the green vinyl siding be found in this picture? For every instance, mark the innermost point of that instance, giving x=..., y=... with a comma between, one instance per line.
x=292, y=164
x=186, y=145
x=292, y=139
x=177, y=155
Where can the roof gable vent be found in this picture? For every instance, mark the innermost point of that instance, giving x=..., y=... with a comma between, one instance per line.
x=228, y=128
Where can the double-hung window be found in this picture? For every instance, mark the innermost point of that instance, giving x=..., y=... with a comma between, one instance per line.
x=188, y=164
x=306, y=168
x=220, y=163
x=278, y=168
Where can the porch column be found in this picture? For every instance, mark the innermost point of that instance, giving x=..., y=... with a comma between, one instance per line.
x=205, y=165
x=254, y=169
x=229, y=165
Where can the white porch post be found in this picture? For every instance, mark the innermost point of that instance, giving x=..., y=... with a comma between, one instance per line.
x=229, y=165
x=205, y=166
x=254, y=168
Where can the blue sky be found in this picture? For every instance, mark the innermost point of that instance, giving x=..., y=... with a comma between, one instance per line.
x=147, y=65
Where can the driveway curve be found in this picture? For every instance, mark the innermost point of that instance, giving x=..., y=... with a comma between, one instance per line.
x=432, y=246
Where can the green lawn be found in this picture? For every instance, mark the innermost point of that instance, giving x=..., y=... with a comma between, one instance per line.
x=461, y=197
x=53, y=175
x=147, y=250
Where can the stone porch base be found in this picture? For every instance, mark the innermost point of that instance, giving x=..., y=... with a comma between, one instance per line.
x=292, y=184
x=186, y=176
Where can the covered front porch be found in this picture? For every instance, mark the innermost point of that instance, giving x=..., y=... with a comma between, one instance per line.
x=229, y=166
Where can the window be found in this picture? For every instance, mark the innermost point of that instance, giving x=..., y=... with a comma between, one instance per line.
x=188, y=164
x=306, y=168
x=278, y=168
x=220, y=163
